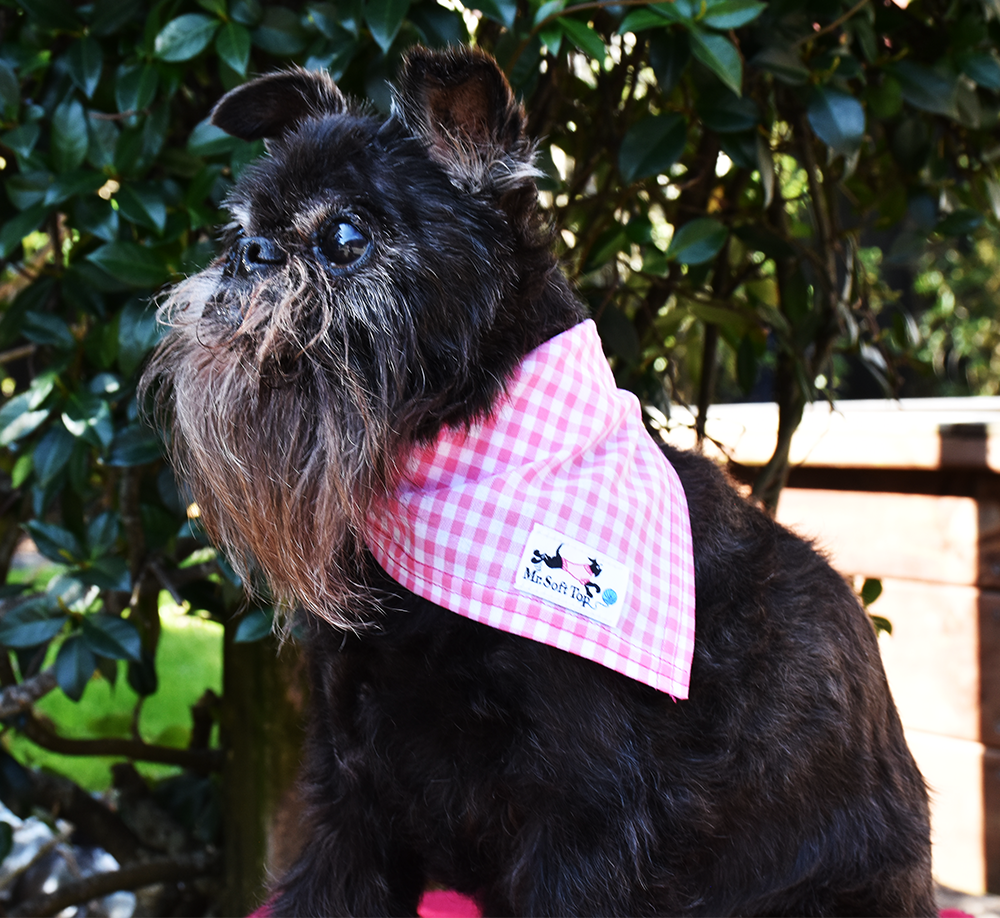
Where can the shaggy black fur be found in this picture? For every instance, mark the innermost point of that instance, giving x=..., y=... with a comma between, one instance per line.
x=384, y=280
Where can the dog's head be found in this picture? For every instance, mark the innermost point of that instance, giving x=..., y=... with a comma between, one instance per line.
x=380, y=279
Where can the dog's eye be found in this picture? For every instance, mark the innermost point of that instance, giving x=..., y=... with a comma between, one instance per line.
x=344, y=244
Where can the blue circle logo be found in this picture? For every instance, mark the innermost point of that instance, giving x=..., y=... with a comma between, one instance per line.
x=610, y=597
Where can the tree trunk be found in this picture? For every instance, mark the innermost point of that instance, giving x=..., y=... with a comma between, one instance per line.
x=263, y=722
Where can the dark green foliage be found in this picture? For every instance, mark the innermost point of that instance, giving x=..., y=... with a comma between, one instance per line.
x=735, y=182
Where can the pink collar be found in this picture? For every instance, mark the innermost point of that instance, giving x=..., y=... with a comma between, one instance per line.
x=558, y=519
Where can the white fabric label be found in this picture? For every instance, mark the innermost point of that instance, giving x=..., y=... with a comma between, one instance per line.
x=573, y=576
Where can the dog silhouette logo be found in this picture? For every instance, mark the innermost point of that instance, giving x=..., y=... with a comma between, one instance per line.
x=574, y=575
x=578, y=570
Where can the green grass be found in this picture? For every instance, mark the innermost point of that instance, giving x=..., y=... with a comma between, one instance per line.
x=189, y=660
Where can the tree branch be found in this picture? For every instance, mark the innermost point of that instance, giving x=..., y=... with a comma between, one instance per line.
x=195, y=759
x=16, y=353
x=833, y=25
x=134, y=876
x=17, y=698
x=69, y=801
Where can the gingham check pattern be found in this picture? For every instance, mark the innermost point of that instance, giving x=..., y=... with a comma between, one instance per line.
x=566, y=449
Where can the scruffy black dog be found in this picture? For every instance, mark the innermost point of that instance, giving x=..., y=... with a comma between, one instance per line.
x=382, y=282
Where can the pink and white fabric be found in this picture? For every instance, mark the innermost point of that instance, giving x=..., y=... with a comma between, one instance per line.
x=558, y=519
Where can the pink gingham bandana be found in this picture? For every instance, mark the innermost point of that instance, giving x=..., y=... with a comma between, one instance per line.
x=558, y=519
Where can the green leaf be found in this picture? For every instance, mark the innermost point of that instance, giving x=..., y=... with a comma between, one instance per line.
x=838, y=120
x=886, y=98
x=208, y=140
x=881, y=624
x=48, y=329
x=438, y=27
x=135, y=87
x=104, y=136
x=719, y=54
x=651, y=146
x=22, y=469
x=22, y=415
x=71, y=184
x=88, y=417
x=10, y=89
x=184, y=37
x=585, y=38
x=502, y=11
x=69, y=136
x=552, y=38
x=783, y=63
x=726, y=113
x=960, y=222
x=731, y=14
x=619, y=334
x=138, y=331
x=729, y=320
x=384, y=17
x=23, y=138
x=136, y=445
x=143, y=204
x=669, y=53
x=741, y=148
x=85, y=59
x=97, y=217
x=233, y=45
x=51, y=454
x=982, y=67
x=17, y=419
x=108, y=573
x=75, y=665
x=246, y=12
x=111, y=15
x=216, y=7
x=697, y=242
x=689, y=9
x=254, y=625
x=924, y=88
x=20, y=226
x=112, y=637
x=651, y=17
x=27, y=189
x=871, y=589
x=547, y=10
x=102, y=532
x=29, y=626
x=131, y=263
x=280, y=33
x=51, y=14
x=54, y=542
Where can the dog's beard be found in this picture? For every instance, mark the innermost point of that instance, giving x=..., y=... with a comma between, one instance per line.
x=279, y=419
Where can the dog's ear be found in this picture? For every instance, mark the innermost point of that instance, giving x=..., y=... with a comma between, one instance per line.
x=461, y=104
x=271, y=105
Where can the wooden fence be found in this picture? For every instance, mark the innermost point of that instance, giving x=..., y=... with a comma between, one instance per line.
x=909, y=492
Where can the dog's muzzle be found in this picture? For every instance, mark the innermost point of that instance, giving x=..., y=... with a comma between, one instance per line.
x=252, y=256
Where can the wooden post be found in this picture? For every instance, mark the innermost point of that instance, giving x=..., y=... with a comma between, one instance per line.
x=263, y=721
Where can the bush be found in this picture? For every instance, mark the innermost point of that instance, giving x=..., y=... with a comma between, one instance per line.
x=733, y=181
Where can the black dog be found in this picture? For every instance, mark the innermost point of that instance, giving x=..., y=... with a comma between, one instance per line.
x=382, y=284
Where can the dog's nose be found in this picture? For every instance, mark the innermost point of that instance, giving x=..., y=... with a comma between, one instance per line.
x=252, y=254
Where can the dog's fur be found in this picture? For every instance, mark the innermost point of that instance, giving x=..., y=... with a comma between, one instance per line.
x=382, y=280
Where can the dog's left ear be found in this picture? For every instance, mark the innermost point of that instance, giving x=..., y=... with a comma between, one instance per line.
x=271, y=105
x=461, y=104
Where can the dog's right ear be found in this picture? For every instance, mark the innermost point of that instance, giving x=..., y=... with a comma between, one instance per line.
x=460, y=103
x=271, y=105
